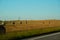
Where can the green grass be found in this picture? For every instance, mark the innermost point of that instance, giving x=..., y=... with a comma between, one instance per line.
x=27, y=33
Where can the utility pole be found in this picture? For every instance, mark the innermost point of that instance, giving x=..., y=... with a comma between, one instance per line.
x=18, y=18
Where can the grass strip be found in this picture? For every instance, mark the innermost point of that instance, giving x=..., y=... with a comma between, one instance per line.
x=27, y=33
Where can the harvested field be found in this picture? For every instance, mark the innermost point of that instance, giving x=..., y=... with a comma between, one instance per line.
x=30, y=24
x=27, y=28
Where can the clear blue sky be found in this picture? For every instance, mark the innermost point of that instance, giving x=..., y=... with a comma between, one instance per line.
x=29, y=9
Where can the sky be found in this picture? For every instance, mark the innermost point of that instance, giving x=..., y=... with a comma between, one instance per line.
x=29, y=9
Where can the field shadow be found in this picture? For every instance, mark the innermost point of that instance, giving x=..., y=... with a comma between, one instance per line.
x=24, y=37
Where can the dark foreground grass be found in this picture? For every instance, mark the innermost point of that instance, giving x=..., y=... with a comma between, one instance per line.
x=28, y=33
